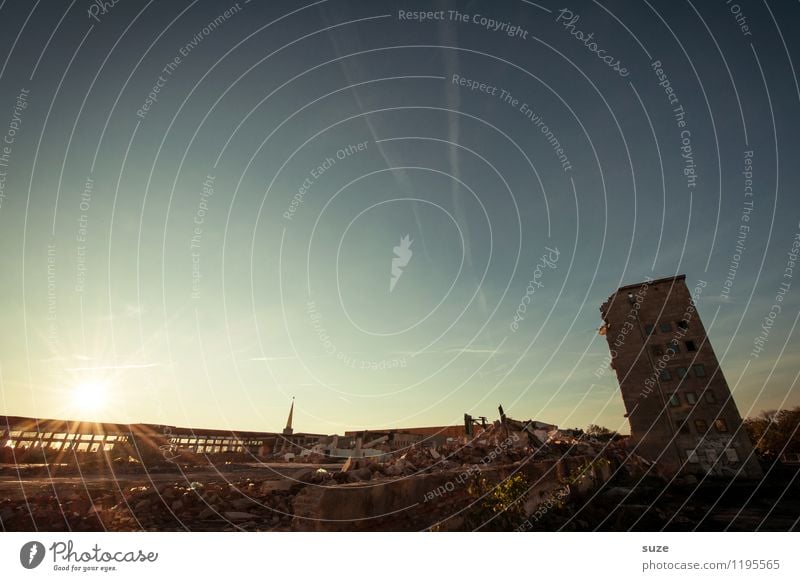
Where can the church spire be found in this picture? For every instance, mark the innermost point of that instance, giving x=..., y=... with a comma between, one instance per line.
x=288, y=429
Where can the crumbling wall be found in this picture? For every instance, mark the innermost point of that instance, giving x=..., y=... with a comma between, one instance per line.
x=412, y=503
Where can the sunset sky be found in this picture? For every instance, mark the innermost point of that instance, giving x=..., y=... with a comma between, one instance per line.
x=201, y=203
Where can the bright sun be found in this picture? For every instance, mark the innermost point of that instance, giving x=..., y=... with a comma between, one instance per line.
x=90, y=396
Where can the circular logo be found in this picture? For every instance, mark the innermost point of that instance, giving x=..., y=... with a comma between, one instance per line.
x=31, y=554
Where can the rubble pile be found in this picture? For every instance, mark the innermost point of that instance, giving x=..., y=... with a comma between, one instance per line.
x=209, y=501
x=502, y=443
x=246, y=505
x=213, y=506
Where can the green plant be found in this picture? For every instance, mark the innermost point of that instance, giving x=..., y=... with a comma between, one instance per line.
x=501, y=506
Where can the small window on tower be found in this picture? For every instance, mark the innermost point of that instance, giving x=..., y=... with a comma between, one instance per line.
x=710, y=397
x=648, y=328
x=674, y=400
x=672, y=347
x=682, y=324
x=699, y=370
x=721, y=425
x=691, y=398
x=665, y=375
x=665, y=327
x=681, y=372
x=690, y=346
x=701, y=426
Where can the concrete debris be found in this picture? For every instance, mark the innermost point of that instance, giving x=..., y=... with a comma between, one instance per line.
x=269, y=499
x=504, y=442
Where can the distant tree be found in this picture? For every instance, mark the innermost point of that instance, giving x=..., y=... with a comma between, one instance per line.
x=775, y=433
x=600, y=432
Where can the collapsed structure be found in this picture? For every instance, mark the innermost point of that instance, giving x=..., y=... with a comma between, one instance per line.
x=681, y=411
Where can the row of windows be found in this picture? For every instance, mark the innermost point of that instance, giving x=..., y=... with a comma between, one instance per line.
x=665, y=327
x=672, y=348
x=218, y=449
x=701, y=427
x=63, y=436
x=215, y=441
x=59, y=445
x=698, y=370
x=220, y=442
x=711, y=455
x=691, y=398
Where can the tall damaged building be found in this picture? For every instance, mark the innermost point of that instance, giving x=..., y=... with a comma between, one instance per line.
x=681, y=411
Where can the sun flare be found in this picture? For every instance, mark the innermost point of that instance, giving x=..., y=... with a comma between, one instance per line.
x=90, y=396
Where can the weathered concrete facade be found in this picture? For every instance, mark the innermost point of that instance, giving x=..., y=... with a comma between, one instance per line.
x=681, y=411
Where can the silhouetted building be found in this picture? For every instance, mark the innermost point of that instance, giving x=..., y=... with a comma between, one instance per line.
x=681, y=411
x=36, y=440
